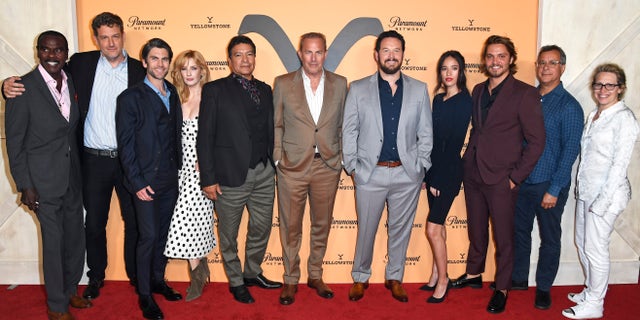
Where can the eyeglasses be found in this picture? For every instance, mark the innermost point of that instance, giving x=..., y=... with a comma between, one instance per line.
x=609, y=86
x=550, y=63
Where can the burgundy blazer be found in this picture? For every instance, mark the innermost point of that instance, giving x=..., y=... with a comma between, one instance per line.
x=512, y=137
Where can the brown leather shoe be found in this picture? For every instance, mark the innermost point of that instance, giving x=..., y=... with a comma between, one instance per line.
x=357, y=290
x=288, y=294
x=59, y=315
x=397, y=291
x=80, y=302
x=321, y=288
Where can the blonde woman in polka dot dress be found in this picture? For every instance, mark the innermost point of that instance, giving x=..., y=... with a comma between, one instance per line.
x=191, y=232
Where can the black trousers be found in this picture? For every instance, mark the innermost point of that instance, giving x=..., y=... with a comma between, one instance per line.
x=101, y=175
x=154, y=218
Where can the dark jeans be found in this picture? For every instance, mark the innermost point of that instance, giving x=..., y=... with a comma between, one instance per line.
x=100, y=176
x=549, y=226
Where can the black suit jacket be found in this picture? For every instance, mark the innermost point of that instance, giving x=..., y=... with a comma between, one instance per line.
x=224, y=137
x=138, y=113
x=41, y=143
x=82, y=67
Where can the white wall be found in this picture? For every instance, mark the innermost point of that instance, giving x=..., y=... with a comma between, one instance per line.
x=589, y=32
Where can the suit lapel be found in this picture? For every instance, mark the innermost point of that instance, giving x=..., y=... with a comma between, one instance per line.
x=298, y=90
x=41, y=85
x=375, y=98
x=502, y=100
x=74, y=112
x=327, y=101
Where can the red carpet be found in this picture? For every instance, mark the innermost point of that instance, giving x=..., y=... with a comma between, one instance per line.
x=118, y=301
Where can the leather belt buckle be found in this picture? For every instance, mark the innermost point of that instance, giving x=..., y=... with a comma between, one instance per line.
x=389, y=164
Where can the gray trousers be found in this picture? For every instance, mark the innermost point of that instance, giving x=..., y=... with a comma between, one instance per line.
x=393, y=187
x=257, y=195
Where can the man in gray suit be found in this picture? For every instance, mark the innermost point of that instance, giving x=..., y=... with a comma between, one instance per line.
x=387, y=139
x=45, y=165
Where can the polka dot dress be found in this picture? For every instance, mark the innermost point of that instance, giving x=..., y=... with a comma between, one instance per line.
x=191, y=231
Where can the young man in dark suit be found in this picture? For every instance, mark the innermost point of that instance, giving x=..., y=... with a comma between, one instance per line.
x=99, y=77
x=235, y=146
x=506, y=140
x=45, y=165
x=148, y=124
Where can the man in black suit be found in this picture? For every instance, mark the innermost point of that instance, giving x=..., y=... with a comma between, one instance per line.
x=45, y=165
x=99, y=77
x=148, y=124
x=235, y=146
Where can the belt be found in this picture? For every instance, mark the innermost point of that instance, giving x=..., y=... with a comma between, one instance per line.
x=102, y=153
x=390, y=164
x=317, y=155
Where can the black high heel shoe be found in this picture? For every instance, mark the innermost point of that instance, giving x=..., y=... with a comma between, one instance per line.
x=433, y=299
x=427, y=287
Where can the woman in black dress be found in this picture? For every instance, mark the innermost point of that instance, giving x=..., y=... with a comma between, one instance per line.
x=451, y=116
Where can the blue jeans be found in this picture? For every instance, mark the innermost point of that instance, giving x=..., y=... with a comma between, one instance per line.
x=549, y=220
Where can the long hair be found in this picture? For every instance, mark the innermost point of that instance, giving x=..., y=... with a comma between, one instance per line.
x=461, y=83
x=176, y=74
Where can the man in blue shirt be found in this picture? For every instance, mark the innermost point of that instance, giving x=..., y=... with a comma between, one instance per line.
x=544, y=193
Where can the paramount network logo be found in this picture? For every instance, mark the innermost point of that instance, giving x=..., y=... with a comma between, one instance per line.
x=272, y=260
x=210, y=24
x=339, y=261
x=461, y=260
x=471, y=28
x=268, y=28
x=398, y=24
x=344, y=224
x=473, y=68
x=217, y=65
x=137, y=23
x=409, y=261
x=454, y=222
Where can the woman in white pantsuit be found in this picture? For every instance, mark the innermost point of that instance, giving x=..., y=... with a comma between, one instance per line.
x=603, y=189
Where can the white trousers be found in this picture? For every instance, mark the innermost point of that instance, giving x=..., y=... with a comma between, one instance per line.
x=593, y=234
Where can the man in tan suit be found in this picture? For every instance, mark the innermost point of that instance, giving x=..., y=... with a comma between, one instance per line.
x=309, y=105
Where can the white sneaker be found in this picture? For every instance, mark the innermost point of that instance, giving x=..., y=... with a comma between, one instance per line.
x=577, y=297
x=584, y=310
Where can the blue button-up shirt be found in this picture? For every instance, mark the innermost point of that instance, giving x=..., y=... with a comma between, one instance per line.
x=563, y=123
x=390, y=105
x=165, y=99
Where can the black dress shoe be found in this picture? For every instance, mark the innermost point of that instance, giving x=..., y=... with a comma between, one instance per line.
x=149, y=307
x=262, y=282
x=543, y=300
x=169, y=293
x=241, y=294
x=92, y=290
x=498, y=302
x=464, y=281
x=515, y=285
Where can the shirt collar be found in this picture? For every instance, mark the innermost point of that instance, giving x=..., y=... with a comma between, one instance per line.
x=307, y=79
x=103, y=60
x=48, y=78
x=150, y=85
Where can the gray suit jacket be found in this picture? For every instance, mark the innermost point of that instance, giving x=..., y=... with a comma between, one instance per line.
x=41, y=144
x=362, y=128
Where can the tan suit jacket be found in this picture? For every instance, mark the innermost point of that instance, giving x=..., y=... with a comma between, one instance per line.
x=296, y=134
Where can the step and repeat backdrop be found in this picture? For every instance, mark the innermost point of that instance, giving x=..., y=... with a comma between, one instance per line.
x=351, y=27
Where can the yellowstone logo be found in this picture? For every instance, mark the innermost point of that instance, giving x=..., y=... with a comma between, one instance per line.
x=339, y=261
x=136, y=23
x=215, y=259
x=470, y=27
x=409, y=67
x=413, y=226
x=276, y=222
x=454, y=222
x=209, y=25
x=398, y=24
x=268, y=28
x=215, y=221
x=408, y=261
x=346, y=186
x=461, y=260
x=272, y=260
